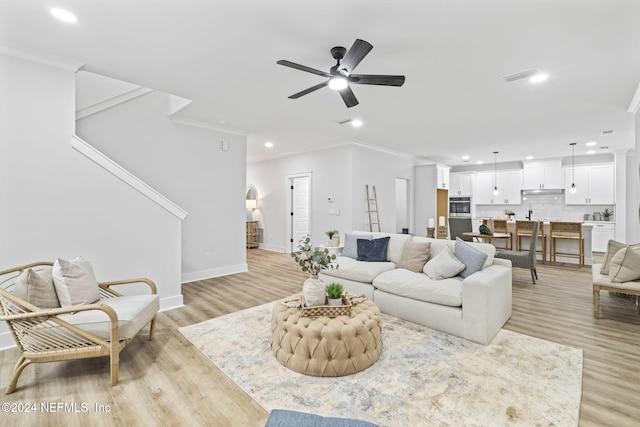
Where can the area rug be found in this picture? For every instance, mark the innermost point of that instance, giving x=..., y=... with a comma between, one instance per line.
x=423, y=377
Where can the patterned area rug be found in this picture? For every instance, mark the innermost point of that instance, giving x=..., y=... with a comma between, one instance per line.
x=423, y=377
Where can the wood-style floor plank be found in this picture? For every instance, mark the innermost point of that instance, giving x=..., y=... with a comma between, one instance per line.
x=168, y=382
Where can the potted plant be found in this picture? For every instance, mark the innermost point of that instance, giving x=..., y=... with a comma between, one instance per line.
x=334, y=238
x=606, y=214
x=313, y=260
x=334, y=293
x=509, y=213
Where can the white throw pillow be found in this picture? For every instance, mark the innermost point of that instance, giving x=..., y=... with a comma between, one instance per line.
x=443, y=265
x=625, y=265
x=75, y=282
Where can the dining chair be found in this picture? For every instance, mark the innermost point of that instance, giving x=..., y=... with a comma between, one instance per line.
x=524, y=259
x=524, y=228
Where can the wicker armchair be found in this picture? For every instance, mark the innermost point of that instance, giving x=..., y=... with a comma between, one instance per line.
x=58, y=334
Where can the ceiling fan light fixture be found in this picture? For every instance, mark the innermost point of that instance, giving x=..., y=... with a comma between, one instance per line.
x=338, y=83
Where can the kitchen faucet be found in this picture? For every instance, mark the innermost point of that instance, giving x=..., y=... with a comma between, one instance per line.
x=529, y=216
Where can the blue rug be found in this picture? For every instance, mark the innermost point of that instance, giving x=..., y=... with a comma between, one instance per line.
x=282, y=418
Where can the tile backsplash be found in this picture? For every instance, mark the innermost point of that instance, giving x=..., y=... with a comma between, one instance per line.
x=544, y=206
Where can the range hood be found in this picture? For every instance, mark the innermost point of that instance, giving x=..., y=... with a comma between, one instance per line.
x=543, y=191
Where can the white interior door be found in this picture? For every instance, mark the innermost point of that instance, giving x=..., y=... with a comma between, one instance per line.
x=300, y=209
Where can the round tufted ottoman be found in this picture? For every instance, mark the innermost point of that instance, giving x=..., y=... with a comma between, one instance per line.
x=326, y=347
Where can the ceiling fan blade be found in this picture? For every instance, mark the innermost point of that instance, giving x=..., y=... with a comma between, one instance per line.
x=311, y=89
x=348, y=97
x=358, y=51
x=303, y=68
x=376, y=79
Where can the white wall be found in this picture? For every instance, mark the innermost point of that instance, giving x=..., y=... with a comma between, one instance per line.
x=57, y=203
x=633, y=189
x=341, y=172
x=186, y=164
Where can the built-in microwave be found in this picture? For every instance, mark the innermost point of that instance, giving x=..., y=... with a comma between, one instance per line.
x=460, y=207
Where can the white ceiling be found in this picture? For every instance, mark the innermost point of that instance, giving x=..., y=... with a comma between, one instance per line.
x=222, y=55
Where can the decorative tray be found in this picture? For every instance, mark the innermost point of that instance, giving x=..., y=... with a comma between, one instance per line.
x=327, y=310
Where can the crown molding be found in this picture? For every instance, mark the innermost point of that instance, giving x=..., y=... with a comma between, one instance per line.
x=39, y=57
x=210, y=126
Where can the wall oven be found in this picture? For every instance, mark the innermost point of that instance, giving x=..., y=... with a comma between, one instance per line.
x=460, y=207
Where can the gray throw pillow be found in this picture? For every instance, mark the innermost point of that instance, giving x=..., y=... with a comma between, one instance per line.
x=351, y=244
x=471, y=257
x=373, y=250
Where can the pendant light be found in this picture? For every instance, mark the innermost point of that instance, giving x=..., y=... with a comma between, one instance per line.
x=495, y=174
x=573, y=188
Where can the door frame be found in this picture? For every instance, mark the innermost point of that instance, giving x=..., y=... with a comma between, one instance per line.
x=289, y=206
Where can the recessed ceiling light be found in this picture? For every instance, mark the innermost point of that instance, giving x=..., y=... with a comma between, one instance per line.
x=529, y=157
x=465, y=158
x=591, y=152
x=64, y=15
x=356, y=123
x=268, y=144
x=479, y=162
x=591, y=143
x=537, y=78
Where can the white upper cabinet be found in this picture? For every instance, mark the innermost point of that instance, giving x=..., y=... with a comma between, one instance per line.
x=543, y=175
x=443, y=177
x=461, y=184
x=509, y=185
x=594, y=185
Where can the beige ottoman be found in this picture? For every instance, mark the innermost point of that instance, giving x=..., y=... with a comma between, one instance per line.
x=327, y=347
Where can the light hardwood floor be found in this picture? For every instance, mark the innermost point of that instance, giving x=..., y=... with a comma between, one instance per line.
x=169, y=382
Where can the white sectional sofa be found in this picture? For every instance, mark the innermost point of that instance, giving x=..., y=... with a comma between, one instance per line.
x=474, y=308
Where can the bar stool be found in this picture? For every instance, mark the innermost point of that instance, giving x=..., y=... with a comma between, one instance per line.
x=566, y=231
x=524, y=229
x=500, y=226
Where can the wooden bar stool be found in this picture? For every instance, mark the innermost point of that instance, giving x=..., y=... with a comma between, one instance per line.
x=524, y=229
x=500, y=226
x=566, y=231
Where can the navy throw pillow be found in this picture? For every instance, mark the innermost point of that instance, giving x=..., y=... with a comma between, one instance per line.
x=373, y=250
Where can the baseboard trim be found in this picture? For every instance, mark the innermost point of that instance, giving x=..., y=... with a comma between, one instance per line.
x=273, y=248
x=214, y=272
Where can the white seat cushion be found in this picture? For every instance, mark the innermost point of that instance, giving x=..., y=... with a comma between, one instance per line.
x=358, y=271
x=134, y=312
x=420, y=287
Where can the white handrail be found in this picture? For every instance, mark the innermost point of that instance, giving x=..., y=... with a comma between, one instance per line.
x=115, y=169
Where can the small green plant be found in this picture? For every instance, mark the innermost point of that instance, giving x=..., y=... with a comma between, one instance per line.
x=607, y=213
x=313, y=260
x=330, y=233
x=334, y=290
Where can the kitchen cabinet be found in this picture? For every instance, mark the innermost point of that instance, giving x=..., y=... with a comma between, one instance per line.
x=542, y=175
x=594, y=185
x=601, y=233
x=509, y=185
x=461, y=184
x=443, y=177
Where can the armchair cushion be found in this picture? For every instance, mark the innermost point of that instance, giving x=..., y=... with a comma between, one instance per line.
x=36, y=287
x=75, y=282
x=625, y=266
x=134, y=312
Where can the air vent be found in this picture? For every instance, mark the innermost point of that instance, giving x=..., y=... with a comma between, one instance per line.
x=519, y=76
x=607, y=132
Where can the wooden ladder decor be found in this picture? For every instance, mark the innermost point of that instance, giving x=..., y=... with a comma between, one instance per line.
x=374, y=218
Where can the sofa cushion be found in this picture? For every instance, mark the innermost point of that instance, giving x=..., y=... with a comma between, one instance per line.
x=420, y=287
x=351, y=243
x=134, y=312
x=612, y=248
x=374, y=250
x=396, y=243
x=443, y=266
x=36, y=287
x=75, y=282
x=414, y=255
x=625, y=266
x=358, y=271
x=471, y=257
x=437, y=245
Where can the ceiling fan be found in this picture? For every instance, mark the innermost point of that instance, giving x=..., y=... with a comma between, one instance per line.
x=341, y=74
